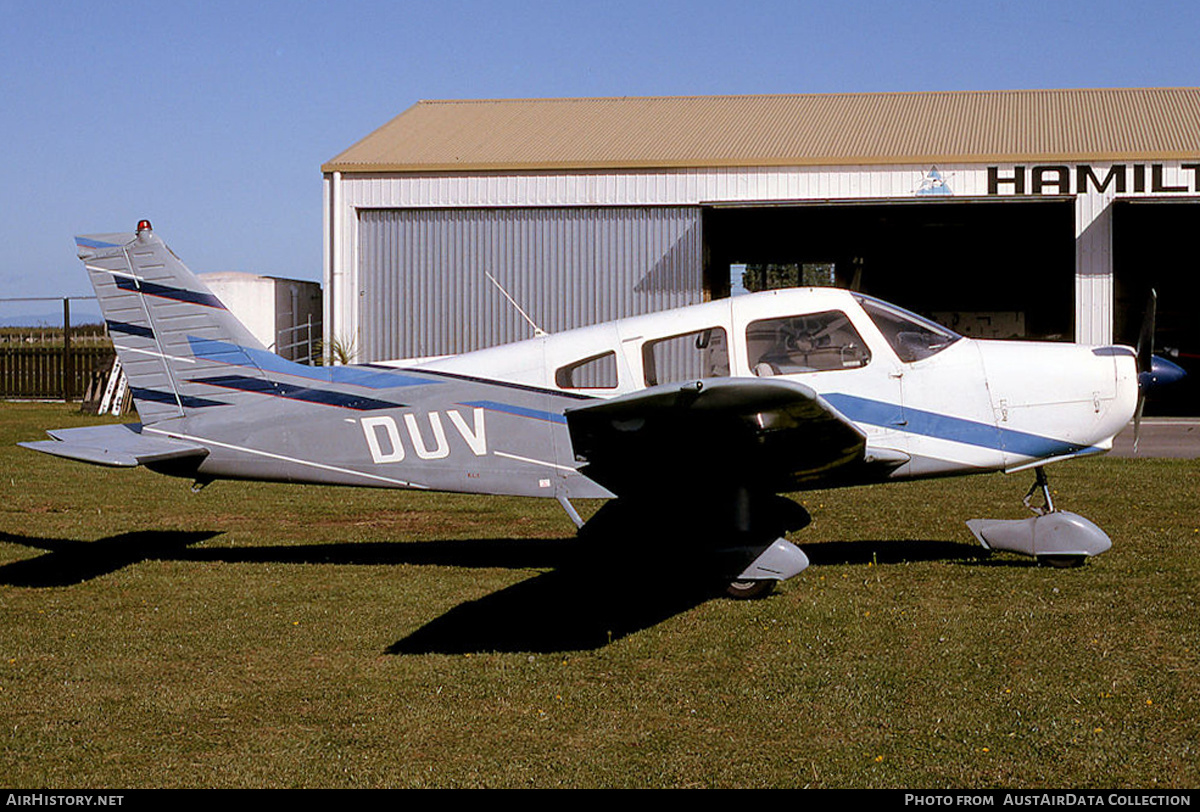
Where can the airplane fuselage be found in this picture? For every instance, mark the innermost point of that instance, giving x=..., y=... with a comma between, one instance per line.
x=492, y=421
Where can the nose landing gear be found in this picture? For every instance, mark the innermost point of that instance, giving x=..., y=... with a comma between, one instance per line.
x=1057, y=538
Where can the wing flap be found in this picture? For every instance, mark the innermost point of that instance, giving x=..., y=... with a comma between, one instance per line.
x=120, y=446
x=773, y=434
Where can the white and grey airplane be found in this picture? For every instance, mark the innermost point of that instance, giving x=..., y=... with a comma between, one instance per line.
x=691, y=422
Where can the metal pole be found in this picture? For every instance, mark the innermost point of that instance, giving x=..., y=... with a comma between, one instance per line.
x=66, y=360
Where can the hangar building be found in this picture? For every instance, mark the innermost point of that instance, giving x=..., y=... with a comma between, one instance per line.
x=1035, y=214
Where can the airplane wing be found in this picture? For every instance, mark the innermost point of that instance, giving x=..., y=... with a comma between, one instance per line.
x=765, y=434
x=122, y=446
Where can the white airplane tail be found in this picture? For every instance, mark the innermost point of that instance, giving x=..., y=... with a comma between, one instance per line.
x=175, y=339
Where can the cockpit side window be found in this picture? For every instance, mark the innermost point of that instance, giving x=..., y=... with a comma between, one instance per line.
x=911, y=336
x=808, y=343
x=701, y=354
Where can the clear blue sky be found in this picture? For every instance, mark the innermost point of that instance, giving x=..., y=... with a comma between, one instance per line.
x=213, y=118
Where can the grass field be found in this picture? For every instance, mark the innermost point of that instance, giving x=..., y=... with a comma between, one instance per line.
x=256, y=635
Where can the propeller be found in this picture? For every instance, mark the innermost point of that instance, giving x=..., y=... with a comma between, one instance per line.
x=1153, y=371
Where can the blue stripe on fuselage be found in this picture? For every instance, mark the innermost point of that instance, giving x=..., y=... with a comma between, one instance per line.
x=519, y=411
x=325, y=397
x=375, y=378
x=944, y=427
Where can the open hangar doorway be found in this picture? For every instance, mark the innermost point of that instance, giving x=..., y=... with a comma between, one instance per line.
x=988, y=268
x=1152, y=249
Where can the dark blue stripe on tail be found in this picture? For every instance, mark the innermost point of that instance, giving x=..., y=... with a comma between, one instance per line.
x=129, y=329
x=169, y=292
x=158, y=396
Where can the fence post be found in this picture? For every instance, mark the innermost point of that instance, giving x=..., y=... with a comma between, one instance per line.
x=66, y=360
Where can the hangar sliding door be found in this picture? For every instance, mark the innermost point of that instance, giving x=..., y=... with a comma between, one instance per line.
x=1152, y=249
x=1007, y=264
x=423, y=288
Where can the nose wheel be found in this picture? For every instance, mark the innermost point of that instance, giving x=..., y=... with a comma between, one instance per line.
x=1042, y=483
x=1062, y=562
x=749, y=589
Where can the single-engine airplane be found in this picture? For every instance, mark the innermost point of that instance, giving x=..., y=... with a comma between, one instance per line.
x=691, y=422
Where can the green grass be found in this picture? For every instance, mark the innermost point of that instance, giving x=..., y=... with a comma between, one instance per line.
x=256, y=635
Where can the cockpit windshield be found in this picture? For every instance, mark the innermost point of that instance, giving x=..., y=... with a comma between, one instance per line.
x=910, y=335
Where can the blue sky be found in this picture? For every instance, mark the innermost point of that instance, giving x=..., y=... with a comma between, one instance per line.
x=212, y=119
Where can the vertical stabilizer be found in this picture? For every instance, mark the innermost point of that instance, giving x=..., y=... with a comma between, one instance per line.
x=170, y=332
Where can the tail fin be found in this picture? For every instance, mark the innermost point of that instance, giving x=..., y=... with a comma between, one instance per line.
x=173, y=336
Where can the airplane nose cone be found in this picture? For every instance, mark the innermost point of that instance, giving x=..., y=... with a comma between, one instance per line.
x=1161, y=373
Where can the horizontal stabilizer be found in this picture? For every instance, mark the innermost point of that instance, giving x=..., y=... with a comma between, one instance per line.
x=121, y=446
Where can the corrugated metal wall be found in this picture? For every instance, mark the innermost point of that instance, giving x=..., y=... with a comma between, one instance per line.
x=423, y=289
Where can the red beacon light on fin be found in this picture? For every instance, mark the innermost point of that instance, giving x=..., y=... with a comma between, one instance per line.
x=143, y=225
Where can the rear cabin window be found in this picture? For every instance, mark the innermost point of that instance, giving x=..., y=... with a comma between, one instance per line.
x=596, y=372
x=685, y=357
x=810, y=343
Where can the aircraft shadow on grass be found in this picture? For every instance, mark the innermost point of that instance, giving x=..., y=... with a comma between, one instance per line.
x=587, y=598
x=593, y=598
x=68, y=561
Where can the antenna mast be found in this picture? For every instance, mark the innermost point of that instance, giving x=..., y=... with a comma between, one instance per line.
x=538, y=332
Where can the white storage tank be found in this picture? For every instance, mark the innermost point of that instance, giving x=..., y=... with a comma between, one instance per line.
x=284, y=314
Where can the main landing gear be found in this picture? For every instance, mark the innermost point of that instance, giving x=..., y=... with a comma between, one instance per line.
x=754, y=547
x=779, y=561
x=1057, y=538
x=735, y=536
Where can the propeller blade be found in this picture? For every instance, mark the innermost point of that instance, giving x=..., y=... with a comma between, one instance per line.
x=1137, y=421
x=1145, y=362
x=1145, y=345
x=1153, y=370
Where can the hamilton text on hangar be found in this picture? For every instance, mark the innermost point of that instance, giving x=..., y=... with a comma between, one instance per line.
x=1060, y=179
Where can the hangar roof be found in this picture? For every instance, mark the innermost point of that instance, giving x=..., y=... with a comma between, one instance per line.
x=782, y=130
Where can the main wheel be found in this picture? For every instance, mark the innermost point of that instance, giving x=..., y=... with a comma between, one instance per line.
x=750, y=589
